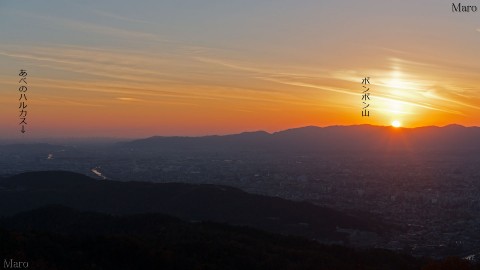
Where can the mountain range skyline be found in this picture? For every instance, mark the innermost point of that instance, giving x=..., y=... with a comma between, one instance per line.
x=105, y=139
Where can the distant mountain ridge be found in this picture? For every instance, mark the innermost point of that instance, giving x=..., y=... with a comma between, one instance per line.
x=332, y=138
x=354, y=138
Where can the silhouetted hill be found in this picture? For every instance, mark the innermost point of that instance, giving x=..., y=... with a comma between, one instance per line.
x=226, y=142
x=333, y=138
x=47, y=180
x=62, y=238
x=65, y=220
x=31, y=190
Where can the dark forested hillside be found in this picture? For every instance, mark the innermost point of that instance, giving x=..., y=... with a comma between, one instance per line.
x=187, y=201
x=56, y=237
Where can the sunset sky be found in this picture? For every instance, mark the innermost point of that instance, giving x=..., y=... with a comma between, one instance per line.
x=190, y=67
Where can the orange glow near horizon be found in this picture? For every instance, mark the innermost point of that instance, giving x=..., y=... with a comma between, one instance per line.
x=131, y=77
x=134, y=109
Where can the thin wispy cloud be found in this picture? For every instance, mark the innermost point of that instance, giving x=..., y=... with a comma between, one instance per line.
x=120, y=17
x=129, y=99
x=228, y=64
x=121, y=65
x=413, y=87
x=89, y=28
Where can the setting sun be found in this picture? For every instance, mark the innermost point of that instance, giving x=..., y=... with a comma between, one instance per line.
x=396, y=124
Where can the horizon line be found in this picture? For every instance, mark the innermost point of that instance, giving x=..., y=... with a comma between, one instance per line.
x=113, y=139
